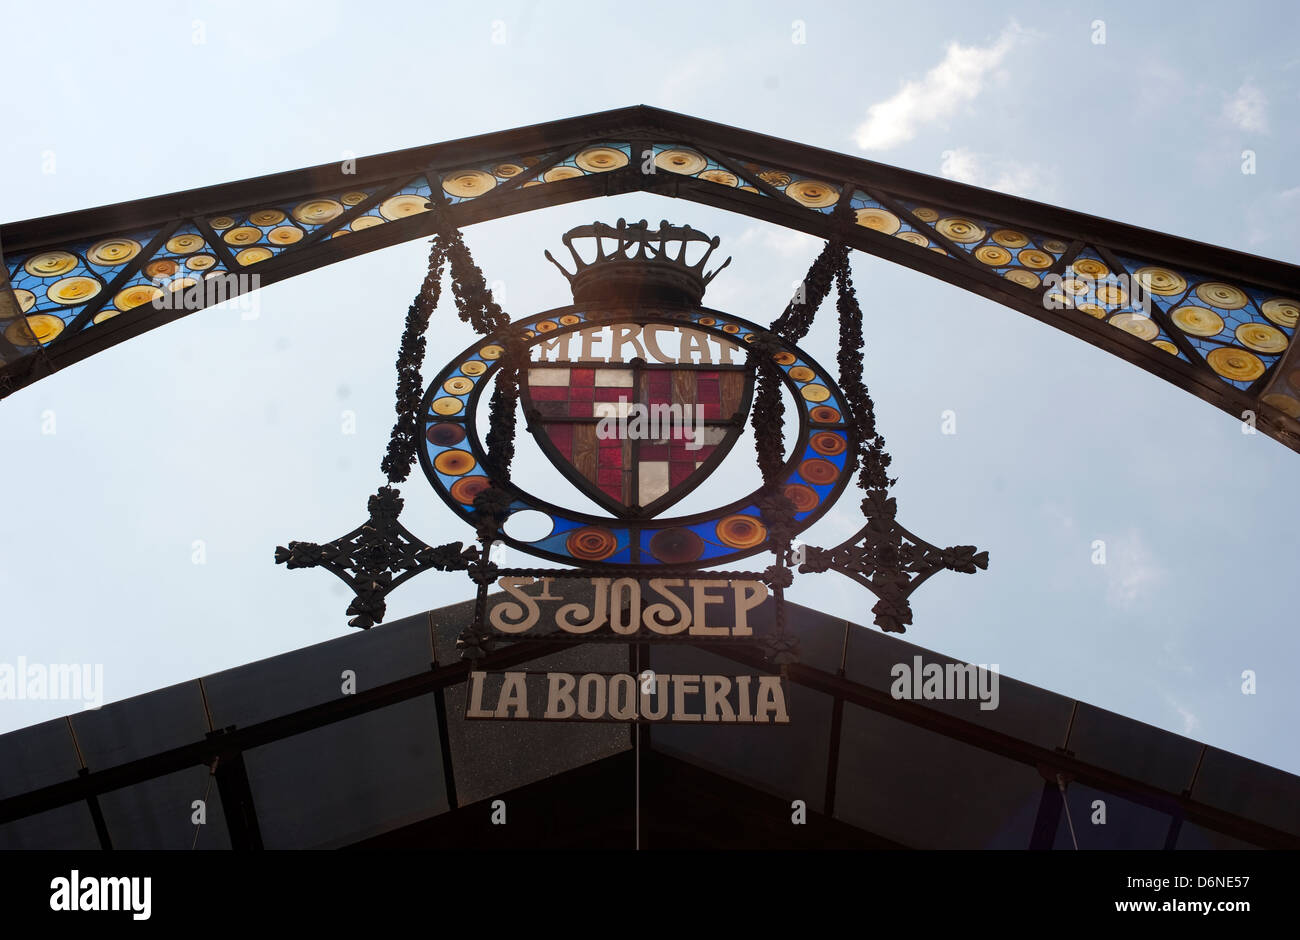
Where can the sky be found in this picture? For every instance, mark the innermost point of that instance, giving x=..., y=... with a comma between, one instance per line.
x=139, y=527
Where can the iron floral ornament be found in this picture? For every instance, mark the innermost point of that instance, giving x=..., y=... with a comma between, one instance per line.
x=636, y=393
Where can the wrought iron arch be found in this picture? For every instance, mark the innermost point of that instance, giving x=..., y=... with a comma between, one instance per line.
x=1221, y=323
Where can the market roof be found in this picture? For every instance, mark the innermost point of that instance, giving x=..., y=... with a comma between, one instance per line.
x=303, y=765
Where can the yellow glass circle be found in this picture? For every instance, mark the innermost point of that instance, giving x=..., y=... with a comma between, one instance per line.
x=775, y=178
x=926, y=215
x=244, y=235
x=915, y=238
x=399, y=207
x=1055, y=246
x=557, y=173
x=491, y=351
x=785, y=358
x=993, y=255
x=35, y=329
x=1093, y=310
x=1197, y=321
x=266, y=217
x=363, y=222
x=1140, y=326
x=1089, y=267
x=1166, y=346
x=317, y=211
x=815, y=392
x=457, y=385
x=1281, y=311
x=1010, y=238
x=352, y=199
x=1160, y=281
x=26, y=299
x=221, y=222
x=468, y=183
x=879, y=220
x=507, y=170
x=721, y=177
x=1283, y=403
x=1111, y=294
x=1024, y=278
x=547, y=326
x=1033, y=258
x=1075, y=286
x=474, y=367
x=284, y=235
x=681, y=161
x=73, y=290
x=137, y=296
x=447, y=406
x=960, y=230
x=600, y=159
x=570, y=318
x=184, y=244
x=113, y=251
x=1262, y=338
x=200, y=262
x=1223, y=296
x=1235, y=364
x=50, y=264
x=253, y=255
x=813, y=193
x=106, y=314
x=802, y=374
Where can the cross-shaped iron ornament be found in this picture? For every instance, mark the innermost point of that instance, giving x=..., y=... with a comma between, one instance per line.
x=890, y=561
x=376, y=557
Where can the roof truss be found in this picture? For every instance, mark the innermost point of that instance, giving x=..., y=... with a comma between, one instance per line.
x=1220, y=325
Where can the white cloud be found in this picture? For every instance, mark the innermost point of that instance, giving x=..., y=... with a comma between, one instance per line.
x=1248, y=109
x=1190, y=721
x=784, y=242
x=1006, y=176
x=1132, y=571
x=959, y=78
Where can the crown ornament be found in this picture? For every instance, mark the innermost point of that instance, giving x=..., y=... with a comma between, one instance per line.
x=644, y=266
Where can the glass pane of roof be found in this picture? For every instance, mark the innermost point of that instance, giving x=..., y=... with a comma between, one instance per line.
x=158, y=813
x=350, y=780
x=928, y=791
x=786, y=760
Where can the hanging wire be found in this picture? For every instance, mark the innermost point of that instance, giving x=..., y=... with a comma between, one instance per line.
x=207, y=789
x=1060, y=782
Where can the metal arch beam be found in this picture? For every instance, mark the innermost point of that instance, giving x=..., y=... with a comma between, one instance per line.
x=766, y=166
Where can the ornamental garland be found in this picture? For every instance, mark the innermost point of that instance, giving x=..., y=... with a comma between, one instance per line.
x=410, y=357
x=476, y=306
x=792, y=325
x=870, y=458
